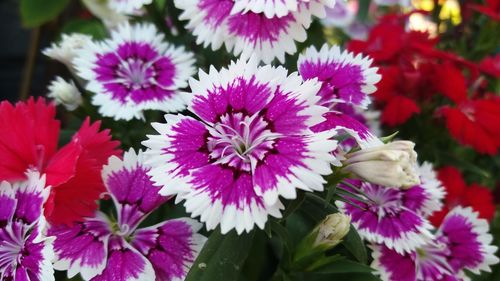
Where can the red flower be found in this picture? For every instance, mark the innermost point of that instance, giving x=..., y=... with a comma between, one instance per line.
x=450, y=81
x=29, y=140
x=398, y=110
x=458, y=193
x=491, y=66
x=475, y=123
x=388, y=41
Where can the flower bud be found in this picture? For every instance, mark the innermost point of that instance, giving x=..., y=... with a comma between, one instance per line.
x=326, y=235
x=66, y=49
x=391, y=164
x=65, y=93
x=331, y=230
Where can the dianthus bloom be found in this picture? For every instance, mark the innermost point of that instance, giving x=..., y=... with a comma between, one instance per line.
x=101, y=249
x=253, y=143
x=215, y=22
x=462, y=244
x=346, y=80
x=479, y=198
x=24, y=253
x=29, y=140
x=134, y=71
x=394, y=217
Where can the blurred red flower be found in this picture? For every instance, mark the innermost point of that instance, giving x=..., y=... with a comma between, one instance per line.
x=479, y=198
x=30, y=135
x=475, y=123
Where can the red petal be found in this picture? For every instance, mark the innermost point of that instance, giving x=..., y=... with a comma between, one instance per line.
x=468, y=132
x=399, y=110
x=29, y=135
x=76, y=198
x=62, y=166
x=98, y=145
x=76, y=190
x=491, y=66
x=386, y=88
x=453, y=182
x=437, y=217
x=450, y=81
x=480, y=199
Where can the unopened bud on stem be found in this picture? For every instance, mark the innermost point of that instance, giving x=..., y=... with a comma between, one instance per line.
x=326, y=235
x=391, y=164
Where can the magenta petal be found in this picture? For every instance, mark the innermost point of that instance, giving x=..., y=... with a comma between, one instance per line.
x=125, y=263
x=82, y=248
x=468, y=240
x=8, y=203
x=357, y=130
x=386, y=219
x=132, y=190
x=393, y=266
x=171, y=247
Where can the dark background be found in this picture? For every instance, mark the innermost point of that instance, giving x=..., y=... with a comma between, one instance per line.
x=21, y=49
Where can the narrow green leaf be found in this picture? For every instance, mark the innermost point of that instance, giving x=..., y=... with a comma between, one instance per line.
x=330, y=193
x=222, y=257
x=295, y=204
x=389, y=138
x=37, y=12
x=354, y=244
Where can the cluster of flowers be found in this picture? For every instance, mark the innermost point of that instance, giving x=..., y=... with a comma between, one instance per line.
x=253, y=135
x=48, y=217
x=417, y=75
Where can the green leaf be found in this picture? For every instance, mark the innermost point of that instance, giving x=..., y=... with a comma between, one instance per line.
x=222, y=257
x=37, y=12
x=354, y=244
x=92, y=27
x=344, y=266
x=294, y=205
x=364, y=6
x=317, y=208
x=389, y=138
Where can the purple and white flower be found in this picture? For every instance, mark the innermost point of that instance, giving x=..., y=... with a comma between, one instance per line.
x=462, y=243
x=249, y=33
x=346, y=81
x=25, y=254
x=252, y=144
x=279, y=8
x=101, y=249
x=345, y=78
x=394, y=217
x=135, y=70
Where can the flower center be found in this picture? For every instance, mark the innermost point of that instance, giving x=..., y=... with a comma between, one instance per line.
x=384, y=200
x=240, y=141
x=136, y=72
